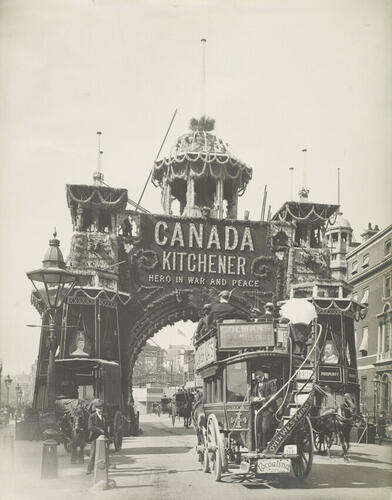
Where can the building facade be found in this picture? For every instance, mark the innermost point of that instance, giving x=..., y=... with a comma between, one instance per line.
x=369, y=271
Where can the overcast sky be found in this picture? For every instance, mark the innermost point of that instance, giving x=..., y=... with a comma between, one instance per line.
x=281, y=75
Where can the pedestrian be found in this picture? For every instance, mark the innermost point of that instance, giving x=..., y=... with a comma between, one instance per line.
x=97, y=426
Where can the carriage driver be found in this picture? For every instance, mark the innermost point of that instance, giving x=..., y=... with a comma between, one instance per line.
x=262, y=391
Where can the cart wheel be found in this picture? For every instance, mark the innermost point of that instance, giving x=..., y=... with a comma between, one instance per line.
x=302, y=464
x=117, y=431
x=215, y=446
x=319, y=443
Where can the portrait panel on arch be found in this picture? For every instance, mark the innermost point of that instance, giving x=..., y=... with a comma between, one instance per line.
x=80, y=346
x=330, y=356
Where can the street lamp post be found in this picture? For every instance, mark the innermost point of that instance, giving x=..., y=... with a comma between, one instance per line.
x=18, y=390
x=376, y=383
x=8, y=382
x=53, y=283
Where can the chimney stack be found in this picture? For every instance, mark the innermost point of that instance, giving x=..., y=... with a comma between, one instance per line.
x=369, y=232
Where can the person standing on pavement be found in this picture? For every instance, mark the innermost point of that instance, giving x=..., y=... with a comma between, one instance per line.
x=97, y=426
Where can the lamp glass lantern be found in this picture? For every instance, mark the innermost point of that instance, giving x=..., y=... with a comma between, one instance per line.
x=52, y=282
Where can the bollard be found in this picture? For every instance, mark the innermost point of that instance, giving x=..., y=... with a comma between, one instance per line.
x=101, y=465
x=49, y=464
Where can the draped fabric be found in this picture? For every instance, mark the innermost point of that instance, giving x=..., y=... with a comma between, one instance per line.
x=305, y=211
x=201, y=154
x=348, y=326
x=198, y=167
x=109, y=333
x=90, y=196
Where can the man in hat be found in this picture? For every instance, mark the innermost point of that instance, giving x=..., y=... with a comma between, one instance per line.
x=255, y=314
x=223, y=310
x=97, y=426
x=202, y=325
x=262, y=392
x=269, y=309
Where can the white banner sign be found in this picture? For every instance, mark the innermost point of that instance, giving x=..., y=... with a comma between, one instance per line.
x=205, y=353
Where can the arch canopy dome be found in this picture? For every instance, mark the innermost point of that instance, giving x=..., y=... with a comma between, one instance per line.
x=200, y=153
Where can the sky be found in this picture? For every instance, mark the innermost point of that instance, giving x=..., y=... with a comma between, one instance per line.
x=281, y=75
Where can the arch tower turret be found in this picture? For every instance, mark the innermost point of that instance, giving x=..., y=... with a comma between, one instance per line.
x=200, y=177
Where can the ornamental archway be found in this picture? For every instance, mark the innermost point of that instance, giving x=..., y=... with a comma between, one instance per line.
x=166, y=310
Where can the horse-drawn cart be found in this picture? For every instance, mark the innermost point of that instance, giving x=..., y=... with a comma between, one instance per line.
x=260, y=391
x=82, y=381
x=180, y=407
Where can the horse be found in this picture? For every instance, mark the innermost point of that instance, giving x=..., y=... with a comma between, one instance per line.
x=187, y=409
x=199, y=424
x=78, y=418
x=339, y=425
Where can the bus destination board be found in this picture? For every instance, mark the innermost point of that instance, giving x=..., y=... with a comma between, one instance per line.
x=233, y=336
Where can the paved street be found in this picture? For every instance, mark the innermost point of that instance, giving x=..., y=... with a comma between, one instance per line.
x=161, y=464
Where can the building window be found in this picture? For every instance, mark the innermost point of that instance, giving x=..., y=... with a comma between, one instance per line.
x=236, y=382
x=363, y=348
x=354, y=267
x=365, y=296
x=387, y=286
x=387, y=247
x=365, y=261
x=387, y=341
x=385, y=392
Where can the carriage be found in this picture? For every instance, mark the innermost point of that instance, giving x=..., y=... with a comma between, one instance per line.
x=82, y=381
x=231, y=421
x=180, y=407
x=165, y=405
x=336, y=367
